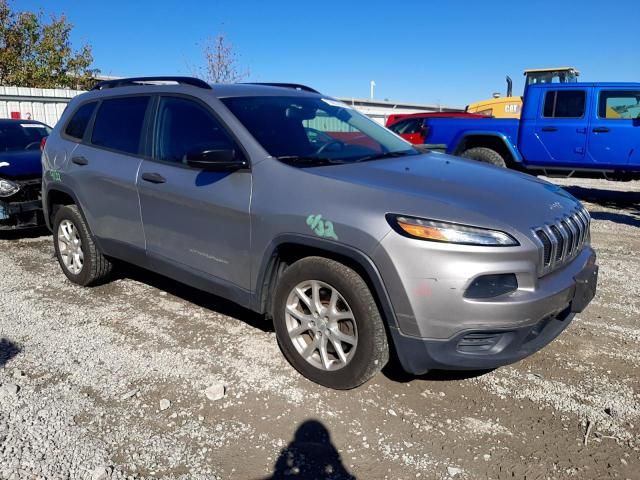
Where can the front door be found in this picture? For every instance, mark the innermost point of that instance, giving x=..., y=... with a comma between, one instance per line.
x=614, y=136
x=558, y=137
x=194, y=219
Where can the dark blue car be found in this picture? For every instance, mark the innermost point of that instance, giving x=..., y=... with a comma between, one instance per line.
x=21, y=173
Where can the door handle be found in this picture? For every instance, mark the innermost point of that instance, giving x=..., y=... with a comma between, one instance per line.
x=153, y=178
x=80, y=160
x=549, y=129
x=600, y=130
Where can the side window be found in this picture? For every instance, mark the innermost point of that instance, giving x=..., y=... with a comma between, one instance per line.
x=564, y=103
x=118, y=124
x=407, y=126
x=79, y=121
x=619, y=104
x=184, y=127
x=398, y=127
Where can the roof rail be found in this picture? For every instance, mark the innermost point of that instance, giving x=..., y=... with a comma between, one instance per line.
x=127, y=82
x=295, y=86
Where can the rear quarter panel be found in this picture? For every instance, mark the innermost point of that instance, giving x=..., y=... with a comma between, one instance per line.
x=452, y=131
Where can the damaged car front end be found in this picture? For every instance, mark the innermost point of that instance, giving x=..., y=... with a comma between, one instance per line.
x=21, y=174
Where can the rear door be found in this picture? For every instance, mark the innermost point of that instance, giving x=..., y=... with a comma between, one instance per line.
x=558, y=136
x=614, y=136
x=194, y=219
x=104, y=167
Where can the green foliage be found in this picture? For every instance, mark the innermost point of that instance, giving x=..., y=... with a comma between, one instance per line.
x=37, y=53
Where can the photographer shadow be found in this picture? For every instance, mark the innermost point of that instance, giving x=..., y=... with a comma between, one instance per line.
x=311, y=456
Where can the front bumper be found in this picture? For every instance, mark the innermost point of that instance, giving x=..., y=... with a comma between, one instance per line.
x=24, y=209
x=485, y=348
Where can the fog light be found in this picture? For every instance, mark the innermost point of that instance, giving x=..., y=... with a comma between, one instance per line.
x=489, y=286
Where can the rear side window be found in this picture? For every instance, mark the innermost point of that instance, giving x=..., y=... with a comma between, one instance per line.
x=186, y=127
x=118, y=124
x=619, y=104
x=564, y=103
x=78, y=123
x=407, y=126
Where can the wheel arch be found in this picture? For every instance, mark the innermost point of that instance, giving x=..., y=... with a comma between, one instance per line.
x=287, y=249
x=493, y=140
x=58, y=195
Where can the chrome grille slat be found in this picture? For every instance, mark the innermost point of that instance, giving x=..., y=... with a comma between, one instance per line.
x=562, y=240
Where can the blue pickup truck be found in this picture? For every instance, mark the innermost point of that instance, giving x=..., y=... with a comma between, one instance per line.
x=582, y=129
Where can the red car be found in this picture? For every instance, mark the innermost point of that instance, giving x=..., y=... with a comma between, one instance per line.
x=413, y=127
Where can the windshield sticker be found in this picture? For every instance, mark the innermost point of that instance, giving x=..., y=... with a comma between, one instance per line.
x=55, y=175
x=322, y=228
x=335, y=103
x=5, y=164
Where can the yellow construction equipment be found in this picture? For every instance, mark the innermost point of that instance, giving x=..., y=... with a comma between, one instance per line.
x=510, y=106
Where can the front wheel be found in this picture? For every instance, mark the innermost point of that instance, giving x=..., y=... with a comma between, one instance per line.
x=328, y=324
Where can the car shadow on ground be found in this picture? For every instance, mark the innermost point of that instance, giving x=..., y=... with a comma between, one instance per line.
x=191, y=295
x=310, y=455
x=394, y=372
x=8, y=350
x=614, y=199
x=26, y=233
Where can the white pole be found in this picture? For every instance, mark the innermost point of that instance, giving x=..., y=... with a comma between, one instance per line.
x=373, y=84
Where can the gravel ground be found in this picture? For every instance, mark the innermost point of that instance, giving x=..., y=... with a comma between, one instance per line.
x=122, y=381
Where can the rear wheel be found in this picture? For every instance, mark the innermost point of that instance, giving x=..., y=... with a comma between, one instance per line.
x=80, y=259
x=486, y=155
x=328, y=324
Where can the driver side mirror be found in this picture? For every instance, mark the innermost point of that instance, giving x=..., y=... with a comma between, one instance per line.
x=215, y=160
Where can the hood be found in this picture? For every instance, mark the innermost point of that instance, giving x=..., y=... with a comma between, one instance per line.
x=447, y=188
x=25, y=163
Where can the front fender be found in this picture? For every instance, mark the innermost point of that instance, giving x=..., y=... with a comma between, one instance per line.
x=460, y=139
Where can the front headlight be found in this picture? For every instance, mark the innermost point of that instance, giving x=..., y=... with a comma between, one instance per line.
x=7, y=187
x=436, y=231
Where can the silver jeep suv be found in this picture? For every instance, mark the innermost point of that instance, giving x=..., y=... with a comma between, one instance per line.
x=298, y=207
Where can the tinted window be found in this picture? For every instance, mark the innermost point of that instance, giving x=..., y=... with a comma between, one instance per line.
x=409, y=126
x=21, y=136
x=78, y=123
x=187, y=127
x=119, y=122
x=619, y=104
x=564, y=103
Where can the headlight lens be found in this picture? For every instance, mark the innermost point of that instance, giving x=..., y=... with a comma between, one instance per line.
x=432, y=230
x=7, y=188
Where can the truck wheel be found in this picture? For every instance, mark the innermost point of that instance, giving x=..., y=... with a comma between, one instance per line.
x=486, y=155
x=78, y=255
x=328, y=324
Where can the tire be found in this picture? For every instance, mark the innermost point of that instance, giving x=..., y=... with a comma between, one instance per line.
x=79, y=257
x=486, y=155
x=348, y=320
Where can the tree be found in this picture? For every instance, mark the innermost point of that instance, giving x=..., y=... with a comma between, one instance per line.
x=221, y=62
x=37, y=53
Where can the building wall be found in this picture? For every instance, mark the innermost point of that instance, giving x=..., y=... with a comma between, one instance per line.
x=43, y=104
x=47, y=105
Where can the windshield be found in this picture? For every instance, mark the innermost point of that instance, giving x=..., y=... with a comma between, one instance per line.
x=315, y=130
x=15, y=136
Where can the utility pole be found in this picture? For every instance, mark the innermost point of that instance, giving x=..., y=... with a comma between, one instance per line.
x=373, y=86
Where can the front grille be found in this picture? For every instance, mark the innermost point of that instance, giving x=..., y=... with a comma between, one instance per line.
x=562, y=241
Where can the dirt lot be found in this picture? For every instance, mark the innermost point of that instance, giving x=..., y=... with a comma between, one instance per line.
x=91, y=367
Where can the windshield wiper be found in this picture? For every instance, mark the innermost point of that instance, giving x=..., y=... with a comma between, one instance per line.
x=312, y=161
x=380, y=156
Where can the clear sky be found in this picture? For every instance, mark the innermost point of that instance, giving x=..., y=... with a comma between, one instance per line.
x=453, y=52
